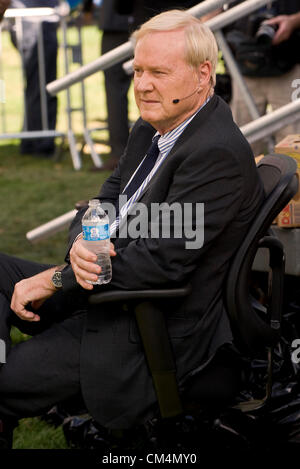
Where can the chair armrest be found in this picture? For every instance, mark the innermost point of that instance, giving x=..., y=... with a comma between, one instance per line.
x=277, y=265
x=155, y=338
x=125, y=295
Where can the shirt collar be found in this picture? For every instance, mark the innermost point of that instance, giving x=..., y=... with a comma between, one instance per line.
x=167, y=141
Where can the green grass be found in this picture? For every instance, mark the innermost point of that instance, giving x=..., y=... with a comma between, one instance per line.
x=34, y=433
x=34, y=191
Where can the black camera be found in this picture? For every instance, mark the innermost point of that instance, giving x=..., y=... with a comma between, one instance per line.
x=250, y=40
x=266, y=32
x=258, y=29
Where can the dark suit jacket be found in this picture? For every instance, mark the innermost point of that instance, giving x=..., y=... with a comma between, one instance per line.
x=110, y=19
x=211, y=163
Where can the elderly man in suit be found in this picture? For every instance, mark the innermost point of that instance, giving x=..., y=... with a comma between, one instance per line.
x=198, y=156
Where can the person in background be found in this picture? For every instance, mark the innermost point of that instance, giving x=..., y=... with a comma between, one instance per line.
x=270, y=66
x=115, y=29
x=41, y=147
x=142, y=10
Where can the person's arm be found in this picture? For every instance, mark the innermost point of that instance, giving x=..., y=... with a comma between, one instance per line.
x=287, y=24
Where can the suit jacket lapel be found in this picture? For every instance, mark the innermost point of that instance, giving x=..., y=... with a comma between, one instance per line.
x=186, y=134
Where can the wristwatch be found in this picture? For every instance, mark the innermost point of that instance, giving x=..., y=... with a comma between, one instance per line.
x=56, y=277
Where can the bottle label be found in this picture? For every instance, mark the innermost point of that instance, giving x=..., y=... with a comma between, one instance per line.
x=95, y=233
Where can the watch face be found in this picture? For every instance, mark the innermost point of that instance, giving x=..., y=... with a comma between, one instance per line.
x=56, y=279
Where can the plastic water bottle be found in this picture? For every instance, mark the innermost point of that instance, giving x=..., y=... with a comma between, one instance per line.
x=96, y=238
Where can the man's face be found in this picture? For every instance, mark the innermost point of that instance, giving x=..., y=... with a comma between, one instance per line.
x=161, y=75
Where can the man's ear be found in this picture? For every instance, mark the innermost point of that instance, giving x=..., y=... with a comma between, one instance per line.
x=204, y=74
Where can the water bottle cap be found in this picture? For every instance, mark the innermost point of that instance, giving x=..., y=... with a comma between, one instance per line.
x=94, y=202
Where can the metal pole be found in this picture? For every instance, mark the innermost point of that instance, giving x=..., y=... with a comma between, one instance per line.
x=71, y=138
x=236, y=74
x=23, y=12
x=124, y=51
x=83, y=100
x=2, y=88
x=19, y=39
x=32, y=134
x=102, y=63
x=270, y=123
x=94, y=155
x=233, y=14
x=51, y=227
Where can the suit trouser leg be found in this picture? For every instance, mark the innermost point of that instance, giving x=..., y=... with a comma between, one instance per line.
x=43, y=370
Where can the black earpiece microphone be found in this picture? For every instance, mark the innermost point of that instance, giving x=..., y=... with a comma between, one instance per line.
x=177, y=100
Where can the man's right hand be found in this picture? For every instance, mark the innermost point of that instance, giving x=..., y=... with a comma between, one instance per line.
x=84, y=264
x=286, y=25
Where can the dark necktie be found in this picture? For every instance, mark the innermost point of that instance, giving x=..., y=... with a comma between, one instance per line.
x=144, y=169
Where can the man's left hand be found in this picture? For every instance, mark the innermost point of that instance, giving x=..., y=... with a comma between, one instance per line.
x=84, y=264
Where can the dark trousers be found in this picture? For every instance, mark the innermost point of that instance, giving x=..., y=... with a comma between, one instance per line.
x=33, y=114
x=117, y=84
x=43, y=370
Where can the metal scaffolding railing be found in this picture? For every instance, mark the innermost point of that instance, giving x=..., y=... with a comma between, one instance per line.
x=216, y=24
x=271, y=122
x=260, y=127
x=123, y=52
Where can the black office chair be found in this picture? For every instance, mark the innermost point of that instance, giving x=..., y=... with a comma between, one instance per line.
x=257, y=327
x=254, y=326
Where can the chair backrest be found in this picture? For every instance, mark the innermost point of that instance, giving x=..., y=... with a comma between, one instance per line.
x=252, y=329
